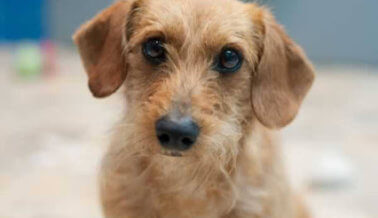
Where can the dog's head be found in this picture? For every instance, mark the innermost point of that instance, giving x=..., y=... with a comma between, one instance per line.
x=196, y=73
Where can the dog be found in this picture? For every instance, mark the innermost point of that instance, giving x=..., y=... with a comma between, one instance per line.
x=207, y=84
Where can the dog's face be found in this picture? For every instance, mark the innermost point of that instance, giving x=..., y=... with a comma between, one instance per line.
x=197, y=73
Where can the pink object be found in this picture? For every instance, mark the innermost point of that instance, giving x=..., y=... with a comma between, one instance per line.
x=49, y=58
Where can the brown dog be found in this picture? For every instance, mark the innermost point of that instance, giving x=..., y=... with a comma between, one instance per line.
x=206, y=83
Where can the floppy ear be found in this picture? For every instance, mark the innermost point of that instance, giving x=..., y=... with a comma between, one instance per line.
x=100, y=44
x=284, y=75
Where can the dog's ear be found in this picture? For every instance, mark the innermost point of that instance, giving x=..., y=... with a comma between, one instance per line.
x=101, y=45
x=283, y=76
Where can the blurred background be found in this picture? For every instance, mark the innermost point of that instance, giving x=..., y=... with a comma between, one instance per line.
x=53, y=133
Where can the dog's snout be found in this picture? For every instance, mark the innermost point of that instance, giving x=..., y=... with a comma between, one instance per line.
x=179, y=134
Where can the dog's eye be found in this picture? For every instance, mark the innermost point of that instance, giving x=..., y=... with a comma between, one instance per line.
x=154, y=51
x=228, y=61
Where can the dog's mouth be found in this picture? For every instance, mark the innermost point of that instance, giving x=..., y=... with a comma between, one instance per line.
x=171, y=153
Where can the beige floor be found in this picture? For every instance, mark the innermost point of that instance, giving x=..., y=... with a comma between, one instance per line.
x=52, y=135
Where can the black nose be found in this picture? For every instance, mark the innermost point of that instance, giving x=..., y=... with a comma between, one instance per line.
x=179, y=134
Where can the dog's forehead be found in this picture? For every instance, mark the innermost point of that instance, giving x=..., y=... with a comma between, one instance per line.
x=211, y=21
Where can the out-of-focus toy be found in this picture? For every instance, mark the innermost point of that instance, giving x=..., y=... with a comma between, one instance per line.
x=49, y=58
x=28, y=60
x=33, y=60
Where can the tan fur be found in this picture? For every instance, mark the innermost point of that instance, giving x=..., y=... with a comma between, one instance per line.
x=234, y=170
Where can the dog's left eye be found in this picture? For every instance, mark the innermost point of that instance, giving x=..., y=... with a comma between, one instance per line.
x=154, y=51
x=228, y=61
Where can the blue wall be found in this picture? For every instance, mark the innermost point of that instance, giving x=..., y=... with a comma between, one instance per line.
x=332, y=30
x=68, y=15
x=22, y=19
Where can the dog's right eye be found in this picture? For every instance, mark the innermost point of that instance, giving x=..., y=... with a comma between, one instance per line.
x=154, y=51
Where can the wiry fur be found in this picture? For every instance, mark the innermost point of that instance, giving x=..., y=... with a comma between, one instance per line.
x=234, y=170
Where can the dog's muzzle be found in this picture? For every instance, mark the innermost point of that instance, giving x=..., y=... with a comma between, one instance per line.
x=177, y=134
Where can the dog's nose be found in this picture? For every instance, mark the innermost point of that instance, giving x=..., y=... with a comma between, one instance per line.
x=179, y=134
